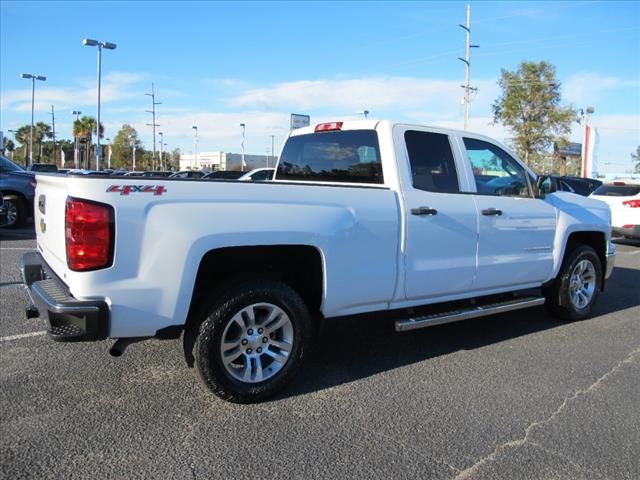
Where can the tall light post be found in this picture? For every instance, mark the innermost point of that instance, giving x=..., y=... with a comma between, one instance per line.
x=272, y=156
x=133, y=150
x=243, y=164
x=109, y=155
x=153, y=123
x=75, y=140
x=33, y=79
x=195, y=145
x=87, y=42
x=161, y=159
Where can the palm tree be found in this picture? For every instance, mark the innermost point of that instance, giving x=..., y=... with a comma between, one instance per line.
x=636, y=158
x=83, y=130
x=22, y=137
x=41, y=131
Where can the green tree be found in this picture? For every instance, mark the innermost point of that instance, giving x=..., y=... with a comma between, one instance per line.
x=529, y=105
x=175, y=160
x=636, y=158
x=84, y=129
x=122, y=156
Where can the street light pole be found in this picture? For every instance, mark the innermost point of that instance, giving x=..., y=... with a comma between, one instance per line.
x=153, y=120
x=195, y=145
x=272, y=156
x=109, y=155
x=109, y=46
x=33, y=79
x=133, y=149
x=243, y=163
x=161, y=159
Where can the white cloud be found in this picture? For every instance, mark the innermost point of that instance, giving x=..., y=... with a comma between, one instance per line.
x=115, y=86
x=587, y=88
x=389, y=93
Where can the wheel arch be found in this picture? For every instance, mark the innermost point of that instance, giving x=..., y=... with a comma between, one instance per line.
x=300, y=266
x=594, y=239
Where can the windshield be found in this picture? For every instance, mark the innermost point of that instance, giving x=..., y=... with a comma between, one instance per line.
x=7, y=165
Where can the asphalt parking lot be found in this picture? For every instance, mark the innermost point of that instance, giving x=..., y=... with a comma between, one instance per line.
x=513, y=396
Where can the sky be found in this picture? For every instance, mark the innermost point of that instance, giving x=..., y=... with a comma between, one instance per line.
x=218, y=64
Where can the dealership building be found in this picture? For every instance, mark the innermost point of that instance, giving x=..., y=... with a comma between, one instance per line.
x=210, y=161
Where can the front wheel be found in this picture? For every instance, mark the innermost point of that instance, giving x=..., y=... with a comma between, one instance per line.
x=252, y=341
x=575, y=290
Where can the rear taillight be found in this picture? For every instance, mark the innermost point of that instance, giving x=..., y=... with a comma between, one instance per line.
x=89, y=234
x=632, y=203
x=328, y=127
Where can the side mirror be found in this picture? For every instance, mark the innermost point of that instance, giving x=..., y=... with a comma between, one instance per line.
x=546, y=185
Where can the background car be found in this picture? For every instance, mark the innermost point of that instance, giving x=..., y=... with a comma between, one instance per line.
x=188, y=174
x=579, y=185
x=224, y=175
x=42, y=167
x=623, y=198
x=258, y=174
x=18, y=189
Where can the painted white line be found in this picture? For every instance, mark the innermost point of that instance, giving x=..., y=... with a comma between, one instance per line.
x=24, y=335
x=635, y=252
x=16, y=248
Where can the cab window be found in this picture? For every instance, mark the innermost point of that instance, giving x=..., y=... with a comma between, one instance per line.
x=351, y=156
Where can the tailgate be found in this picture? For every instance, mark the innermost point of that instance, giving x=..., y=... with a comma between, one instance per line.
x=49, y=220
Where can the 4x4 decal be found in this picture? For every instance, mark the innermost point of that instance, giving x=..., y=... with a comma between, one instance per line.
x=127, y=189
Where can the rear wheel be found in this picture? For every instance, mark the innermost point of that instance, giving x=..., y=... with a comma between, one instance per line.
x=575, y=290
x=14, y=206
x=252, y=340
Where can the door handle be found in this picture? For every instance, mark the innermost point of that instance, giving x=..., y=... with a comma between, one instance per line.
x=491, y=212
x=424, y=211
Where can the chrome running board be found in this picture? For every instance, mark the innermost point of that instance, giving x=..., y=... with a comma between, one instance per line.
x=467, y=313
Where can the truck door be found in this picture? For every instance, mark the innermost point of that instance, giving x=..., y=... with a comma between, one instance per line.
x=516, y=229
x=441, y=223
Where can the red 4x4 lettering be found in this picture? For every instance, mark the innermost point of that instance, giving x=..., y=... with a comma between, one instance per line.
x=127, y=189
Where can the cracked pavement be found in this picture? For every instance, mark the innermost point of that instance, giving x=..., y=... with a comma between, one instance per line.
x=514, y=396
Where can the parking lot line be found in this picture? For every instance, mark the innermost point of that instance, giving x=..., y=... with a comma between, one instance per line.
x=23, y=335
x=16, y=248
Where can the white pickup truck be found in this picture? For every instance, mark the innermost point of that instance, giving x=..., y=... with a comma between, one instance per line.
x=361, y=217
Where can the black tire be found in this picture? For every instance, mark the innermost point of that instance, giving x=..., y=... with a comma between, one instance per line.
x=562, y=301
x=15, y=209
x=254, y=294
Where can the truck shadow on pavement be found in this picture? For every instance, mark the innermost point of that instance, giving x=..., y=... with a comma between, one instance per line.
x=351, y=349
x=27, y=232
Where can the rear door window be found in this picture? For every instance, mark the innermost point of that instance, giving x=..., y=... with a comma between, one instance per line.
x=351, y=156
x=432, y=165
